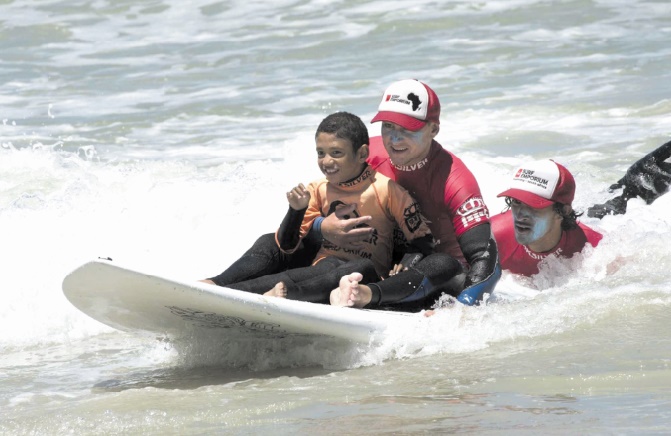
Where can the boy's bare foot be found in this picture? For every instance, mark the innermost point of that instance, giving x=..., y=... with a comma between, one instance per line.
x=350, y=293
x=278, y=291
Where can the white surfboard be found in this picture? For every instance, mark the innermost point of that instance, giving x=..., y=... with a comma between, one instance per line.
x=134, y=301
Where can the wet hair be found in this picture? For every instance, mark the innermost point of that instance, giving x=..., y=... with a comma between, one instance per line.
x=347, y=126
x=569, y=220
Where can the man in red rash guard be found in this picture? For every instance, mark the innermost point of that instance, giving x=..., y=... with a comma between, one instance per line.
x=449, y=197
x=541, y=221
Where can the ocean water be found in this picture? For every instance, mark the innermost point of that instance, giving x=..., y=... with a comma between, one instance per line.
x=165, y=133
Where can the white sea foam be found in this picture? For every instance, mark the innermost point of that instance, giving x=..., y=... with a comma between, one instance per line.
x=165, y=134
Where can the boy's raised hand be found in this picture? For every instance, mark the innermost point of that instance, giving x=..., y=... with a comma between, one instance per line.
x=298, y=197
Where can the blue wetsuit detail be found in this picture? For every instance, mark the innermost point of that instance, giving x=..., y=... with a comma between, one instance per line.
x=317, y=225
x=473, y=294
x=424, y=289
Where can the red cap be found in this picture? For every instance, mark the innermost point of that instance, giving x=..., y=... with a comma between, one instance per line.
x=410, y=104
x=541, y=184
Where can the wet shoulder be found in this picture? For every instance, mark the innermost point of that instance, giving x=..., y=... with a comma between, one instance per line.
x=591, y=236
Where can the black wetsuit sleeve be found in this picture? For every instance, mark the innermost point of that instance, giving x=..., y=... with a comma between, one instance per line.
x=648, y=178
x=481, y=253
x=288, y=235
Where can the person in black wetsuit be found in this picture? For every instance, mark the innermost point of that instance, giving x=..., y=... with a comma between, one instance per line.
x=648, y=178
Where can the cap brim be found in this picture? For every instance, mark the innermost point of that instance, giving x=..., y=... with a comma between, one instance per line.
x=526, y=197
x=405, y=121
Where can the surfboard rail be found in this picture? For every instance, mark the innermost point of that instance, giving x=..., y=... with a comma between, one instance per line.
x=130, y=300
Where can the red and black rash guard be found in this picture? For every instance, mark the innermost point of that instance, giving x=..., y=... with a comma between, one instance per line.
x=519, y=259
x=374, y=194
x=445, y=189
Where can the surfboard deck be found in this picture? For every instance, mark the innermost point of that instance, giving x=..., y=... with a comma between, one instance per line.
x=134, y=301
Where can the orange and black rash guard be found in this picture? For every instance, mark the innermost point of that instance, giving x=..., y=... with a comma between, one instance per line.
x=375, y=195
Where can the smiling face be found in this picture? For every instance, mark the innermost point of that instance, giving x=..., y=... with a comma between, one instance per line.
x=539, y=229
x=407, y=147
x=337, y=159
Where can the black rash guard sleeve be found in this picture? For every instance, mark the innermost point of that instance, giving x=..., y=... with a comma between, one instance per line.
x=648, y=178
x=481, y=253
x=288, y=235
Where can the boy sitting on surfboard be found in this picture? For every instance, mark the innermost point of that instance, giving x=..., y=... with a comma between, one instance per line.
x=342, y=149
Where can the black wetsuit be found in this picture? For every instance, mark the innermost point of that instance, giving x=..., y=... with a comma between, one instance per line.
x=264, y=265
x=649, y=178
